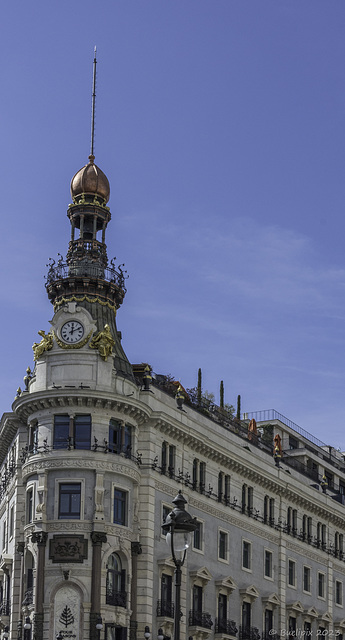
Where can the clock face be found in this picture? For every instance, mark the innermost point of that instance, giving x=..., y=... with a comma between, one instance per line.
x=72, y=331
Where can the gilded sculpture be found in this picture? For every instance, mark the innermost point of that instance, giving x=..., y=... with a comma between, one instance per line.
x=104, y=342
x=45, y=345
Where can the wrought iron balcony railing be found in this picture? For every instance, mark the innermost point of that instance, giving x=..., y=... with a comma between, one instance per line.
x=5, y=608
x=249, y=633
x=116, y=598
x=61, y=270
x=222, y=625
x=165, y=608
x=200, y=619
x=270, y=635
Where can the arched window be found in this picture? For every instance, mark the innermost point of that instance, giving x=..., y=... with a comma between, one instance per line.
x=116, y=582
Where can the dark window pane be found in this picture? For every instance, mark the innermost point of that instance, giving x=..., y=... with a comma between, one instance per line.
x=114, y=437
x=61, y=432
x=82, y=432
x=69, y=501
x=120, y=506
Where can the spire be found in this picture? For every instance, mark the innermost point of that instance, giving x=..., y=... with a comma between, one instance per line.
x=92, y=155
x=86, y=276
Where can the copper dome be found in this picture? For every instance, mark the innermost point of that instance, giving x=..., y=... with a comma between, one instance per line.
x=90, y=179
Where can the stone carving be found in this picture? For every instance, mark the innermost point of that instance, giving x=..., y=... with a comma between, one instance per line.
x=40, y=538
x=70, y=548
x=45, y=345
x=67, y=613
x=98, y=537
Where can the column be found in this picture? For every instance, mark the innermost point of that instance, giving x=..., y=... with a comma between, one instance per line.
x=97, y=538
x=40, y=538
x=136, y=551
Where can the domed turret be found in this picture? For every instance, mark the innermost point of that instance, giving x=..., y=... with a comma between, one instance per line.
x=90, y=180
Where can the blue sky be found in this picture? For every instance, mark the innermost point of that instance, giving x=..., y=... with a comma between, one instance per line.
x=220, y=125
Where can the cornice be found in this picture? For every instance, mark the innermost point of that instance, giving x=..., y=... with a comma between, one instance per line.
x=28, y=403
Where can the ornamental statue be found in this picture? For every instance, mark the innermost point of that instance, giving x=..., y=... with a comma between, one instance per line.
x=104, y=342
x=45, y=345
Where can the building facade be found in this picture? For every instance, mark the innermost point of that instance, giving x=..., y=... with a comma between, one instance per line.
x=95, y=450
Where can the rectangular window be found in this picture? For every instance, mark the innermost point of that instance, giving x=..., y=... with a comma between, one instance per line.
x=226, y=489
x=72, y=433
x=293, y=443
x=271, y=511
x=69, y=501
x=120, y=438
x=292, y=573
x=223, y=545
x=165, y=512
x=33, y=438
x=29, y=505
x=11, y=523
x=338, y=592
x=222, y=612
x=197, y=540
x=82, y=432
x=197, y=602
x=268, y=564
x=61, y=432
x=120, y=507
x=321, y=585
x=4, y=535
x=202, y=477
x=306, y=579
x=166, y=605
x=246, y=554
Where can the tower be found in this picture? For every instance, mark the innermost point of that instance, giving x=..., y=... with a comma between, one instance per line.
x=86, y=278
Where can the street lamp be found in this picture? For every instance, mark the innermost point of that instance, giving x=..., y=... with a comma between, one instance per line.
x=5, y=632
x=27, y=628
x=179, y=526
x=147, y=634
x=99, y=626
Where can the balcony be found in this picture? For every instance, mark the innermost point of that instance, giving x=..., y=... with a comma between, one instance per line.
x=5, y=608
x=222, y=625
x=249, y=633
x=269, y=635
x=116, y=598
x=200, y=619
x=165, y=609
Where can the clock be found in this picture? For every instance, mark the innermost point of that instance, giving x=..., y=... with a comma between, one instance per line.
x=72, y=331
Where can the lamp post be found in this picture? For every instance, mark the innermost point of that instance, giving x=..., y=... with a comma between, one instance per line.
x=179, y=526
x=27, y=628
x=99, y=626
x=147, y=634
x=5, y=632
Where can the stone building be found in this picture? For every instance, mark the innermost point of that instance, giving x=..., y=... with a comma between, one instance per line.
x=95, y=450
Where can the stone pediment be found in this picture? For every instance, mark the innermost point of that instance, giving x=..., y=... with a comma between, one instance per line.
x=273, y=600
x=326, y=617
x=203, y=575
x=227, y=583
x=295, y=606
x=312, y=612
x=250, y=592
x=341, y=623
x=166, y=562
